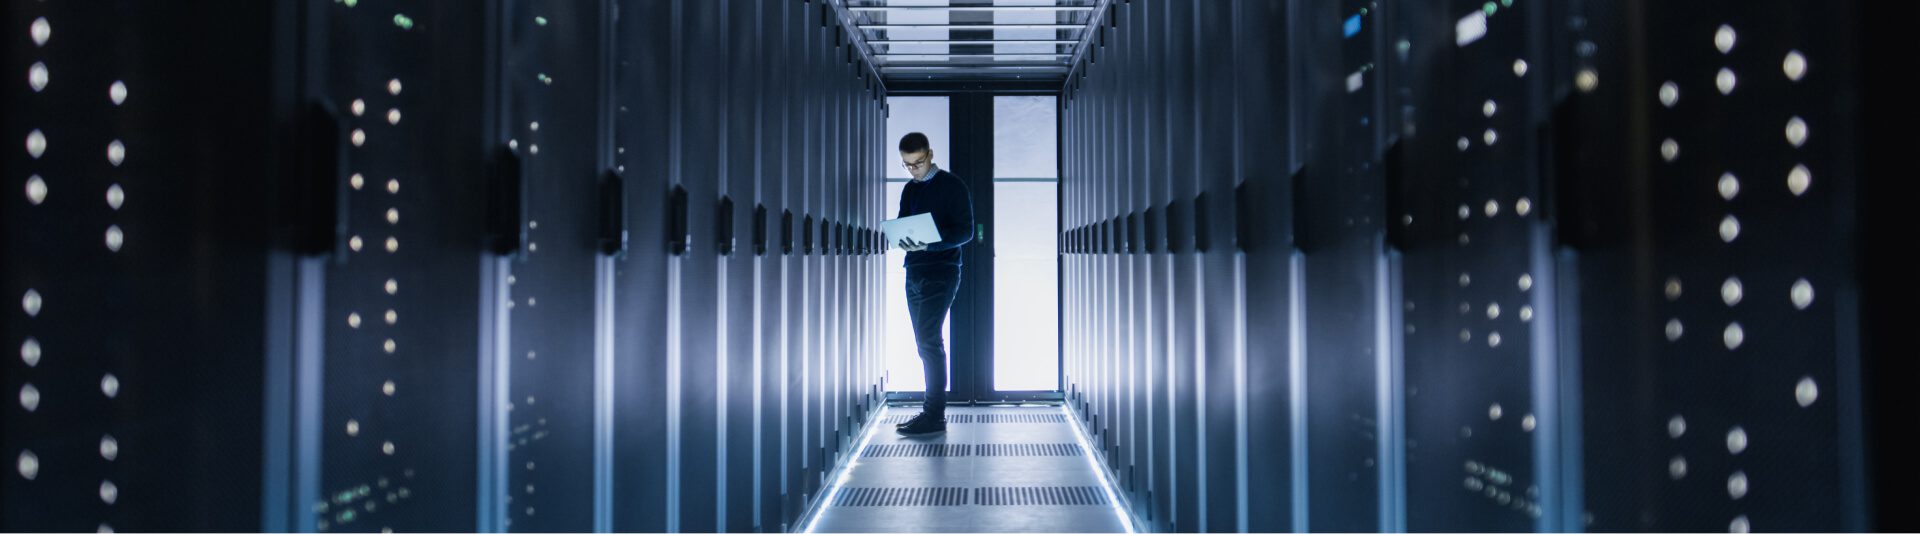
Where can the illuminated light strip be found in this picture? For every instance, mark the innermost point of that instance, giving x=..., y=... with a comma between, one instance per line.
x=845, y=471
x=1106, y=481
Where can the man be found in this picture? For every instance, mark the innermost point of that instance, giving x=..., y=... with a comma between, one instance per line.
x=933, y=269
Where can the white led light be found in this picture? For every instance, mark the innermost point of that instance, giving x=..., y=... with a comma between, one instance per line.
x=357, y=181
x=1729, y=229
x=1676, y=426
x=1725, y=81
x=28, y=464
x=353, y=427
x=1737, y=485
x=1734, y=336
x=393, y=186
x=1493, y=311
x=1494, y=412
x=1740, y=525
x=41, y=30
x=29, y=397
x=1669, y=149
x=31, y=302
x=359, y=107
x=110, y=385
x=1526, y=314
x=1799, y=179
x=1490, y=137
x=117, y=92
x=1675, y=330
x=1673, y=289
x=116, y=196
x=116, y=152
x=392, y=317
x=393, y=86
x=37, y=76
x=1463, y=144
x=387, y=448
x=1669, y=94
x=1488, y=108
x=1806, y=392
x=1795, y=66
x=109, y=447
x=1492, y=208
x=1797, y=131
x=1732, y=291
x=1523, y=206
x=1737, y=440
x=115, y=238
x=393, y=286
x=1525, y=283
x=1528, y=423
x=387, y=388
x=1677, y=468
x=393, y=216
x=1729, y=186
x=354, y=243
x=393, y=116
x=359, y=137
x=36, y=143
x=109, y=492
x=1519, y=67
x=36, y=190
x=389, y=346
x=393, y=244
x=30, y=352
x=1587, y=80
x=353, y=320
x=1801, y=294
x=1493, y=340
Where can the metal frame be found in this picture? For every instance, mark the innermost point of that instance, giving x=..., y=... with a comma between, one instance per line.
x=1055, y=68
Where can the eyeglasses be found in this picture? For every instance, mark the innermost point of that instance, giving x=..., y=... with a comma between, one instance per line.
x=916, y=165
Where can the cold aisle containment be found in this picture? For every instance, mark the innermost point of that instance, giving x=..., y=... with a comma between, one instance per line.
x=616, y=265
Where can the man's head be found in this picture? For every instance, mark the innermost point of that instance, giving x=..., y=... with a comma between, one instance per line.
x=916, y=155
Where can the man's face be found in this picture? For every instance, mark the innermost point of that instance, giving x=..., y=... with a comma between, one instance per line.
x=917, y=163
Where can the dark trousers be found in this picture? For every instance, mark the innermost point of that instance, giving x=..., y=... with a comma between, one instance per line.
x=930, y=291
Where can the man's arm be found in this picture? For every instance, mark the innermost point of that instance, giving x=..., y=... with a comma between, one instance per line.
x=955, y=220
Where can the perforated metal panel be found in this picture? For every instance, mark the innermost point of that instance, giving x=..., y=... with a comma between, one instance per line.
x=397, y=371
x=135, y=270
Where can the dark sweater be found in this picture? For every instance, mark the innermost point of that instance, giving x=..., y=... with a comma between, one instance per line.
x=946, y=197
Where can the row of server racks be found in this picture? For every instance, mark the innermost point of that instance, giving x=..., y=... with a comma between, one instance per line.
x=392, y=265
x=1491, y=265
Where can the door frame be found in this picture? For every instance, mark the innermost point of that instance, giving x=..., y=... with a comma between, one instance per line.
x=970, y=344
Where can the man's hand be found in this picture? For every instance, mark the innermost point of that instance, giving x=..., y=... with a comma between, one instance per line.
x=909, y=245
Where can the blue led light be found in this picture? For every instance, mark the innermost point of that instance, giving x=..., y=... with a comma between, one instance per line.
x=1352, y=26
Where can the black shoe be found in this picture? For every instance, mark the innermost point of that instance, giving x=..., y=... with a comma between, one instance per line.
x=928, y=424
x=916, y=417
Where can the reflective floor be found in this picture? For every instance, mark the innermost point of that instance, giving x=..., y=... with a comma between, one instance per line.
x=995, y=469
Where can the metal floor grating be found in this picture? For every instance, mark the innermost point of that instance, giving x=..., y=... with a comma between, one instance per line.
x=916, y=450
x=901, y=497
x=990, y=418
x=1040, y=496
x=1027, y=449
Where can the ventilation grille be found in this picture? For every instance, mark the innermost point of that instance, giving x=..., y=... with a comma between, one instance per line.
x=1021, y=418
x=1028, y=449
x=901, y=497
x=1040, y=496
x=916, y=450
x=989, y=418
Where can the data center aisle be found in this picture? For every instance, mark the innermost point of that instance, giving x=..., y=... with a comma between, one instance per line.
x=995, y=469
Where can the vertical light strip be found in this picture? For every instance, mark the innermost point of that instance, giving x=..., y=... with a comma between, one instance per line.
x=1087, y=451
x=1297, y=384
x=1555, y=463
x=759, y=389
x=721, y=398
x=603, y=337
x=1390, y=450
x=1240, y=463
x=1200, y=391
x=494, y=339
x=673, y=395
